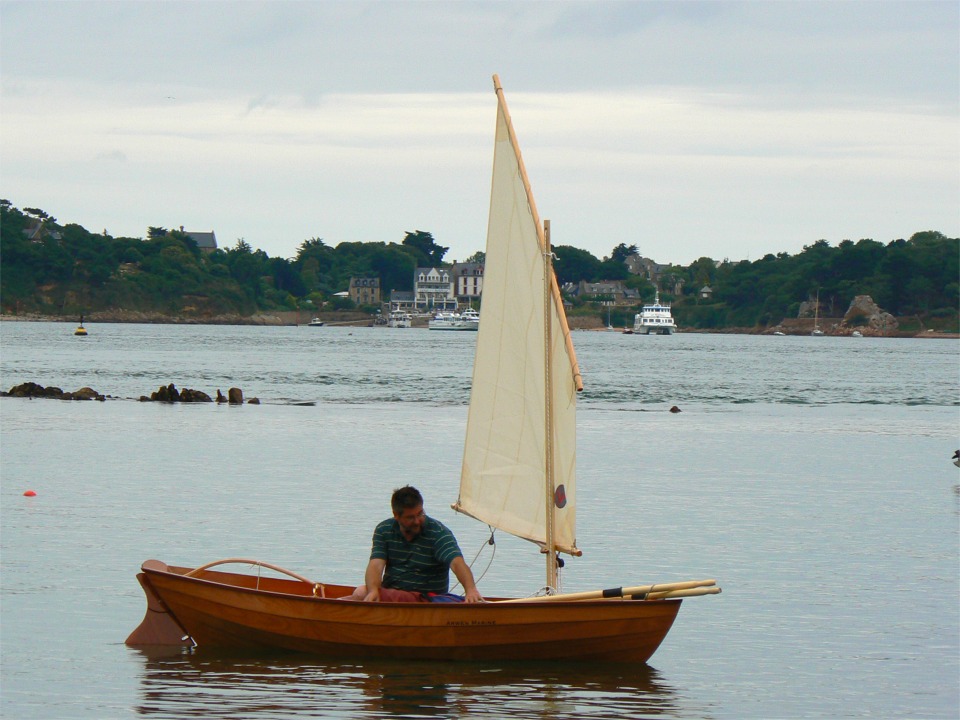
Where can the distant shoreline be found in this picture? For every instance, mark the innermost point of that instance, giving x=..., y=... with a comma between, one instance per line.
x=288, y=319
x=260, y=319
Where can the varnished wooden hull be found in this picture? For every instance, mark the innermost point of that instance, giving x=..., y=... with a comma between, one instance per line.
x=242, y=612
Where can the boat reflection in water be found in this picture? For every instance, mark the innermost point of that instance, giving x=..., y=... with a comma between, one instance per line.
x=206, y=684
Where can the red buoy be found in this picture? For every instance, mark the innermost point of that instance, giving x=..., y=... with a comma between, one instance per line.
x=29, y=493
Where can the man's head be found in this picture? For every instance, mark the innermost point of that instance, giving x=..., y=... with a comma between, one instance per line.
x=407, y=505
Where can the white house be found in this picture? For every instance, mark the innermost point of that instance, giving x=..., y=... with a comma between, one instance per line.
x=433, y=289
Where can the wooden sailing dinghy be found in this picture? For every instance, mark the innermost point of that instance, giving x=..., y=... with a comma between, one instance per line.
x=518, y=475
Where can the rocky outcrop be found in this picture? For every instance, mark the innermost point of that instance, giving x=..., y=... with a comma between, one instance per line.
x=33, y=390
x=807, y=309
x=85, y=393
x=189, y=395
x=865, y=315
x=170, y=394
x=234, y=396
x=165, y=393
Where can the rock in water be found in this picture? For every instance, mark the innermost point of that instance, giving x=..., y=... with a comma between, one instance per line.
x=86, y=393
x=189, y=395
x=166, y=394
x=32, y=390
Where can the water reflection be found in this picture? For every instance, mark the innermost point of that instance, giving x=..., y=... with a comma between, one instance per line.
x=198, y=684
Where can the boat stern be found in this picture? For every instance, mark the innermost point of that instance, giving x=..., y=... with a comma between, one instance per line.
x=158, y=626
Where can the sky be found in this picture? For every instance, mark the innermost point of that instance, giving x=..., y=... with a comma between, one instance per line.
x=726, y=130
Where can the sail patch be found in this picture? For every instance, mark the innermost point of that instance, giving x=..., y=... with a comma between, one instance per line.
x=560, y=497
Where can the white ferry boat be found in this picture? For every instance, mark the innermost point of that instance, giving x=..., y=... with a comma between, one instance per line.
x=472, y=318
x=399, y=319
x=654, y=319
x=469, y=320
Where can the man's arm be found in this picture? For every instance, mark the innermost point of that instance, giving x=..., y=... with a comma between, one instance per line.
x=373, y=578
x=465, y=576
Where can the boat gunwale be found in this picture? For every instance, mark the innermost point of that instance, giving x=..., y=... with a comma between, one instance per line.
x=491, y=603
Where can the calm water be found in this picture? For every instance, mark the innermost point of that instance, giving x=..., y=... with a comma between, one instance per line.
x=810, y=476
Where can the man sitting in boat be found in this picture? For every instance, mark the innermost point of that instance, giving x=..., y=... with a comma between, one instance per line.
x=412, y=556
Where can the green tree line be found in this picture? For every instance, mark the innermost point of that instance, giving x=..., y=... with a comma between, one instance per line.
x=49, y=268
x=915, y=277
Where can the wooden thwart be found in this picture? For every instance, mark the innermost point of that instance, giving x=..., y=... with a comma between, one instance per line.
x=652, y=592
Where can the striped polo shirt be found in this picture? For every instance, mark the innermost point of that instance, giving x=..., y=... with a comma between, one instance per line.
x=422, y=565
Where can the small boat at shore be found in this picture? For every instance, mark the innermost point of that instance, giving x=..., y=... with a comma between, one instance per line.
x=399, y=319
x=316, y=322
x=817, y=332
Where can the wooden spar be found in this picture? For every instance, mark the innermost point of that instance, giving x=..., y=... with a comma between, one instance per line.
x=554, y=287
x=692, y=592
x=550, y=483
x=618, y=592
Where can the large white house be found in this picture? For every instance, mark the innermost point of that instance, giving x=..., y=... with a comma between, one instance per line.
x=433, y=289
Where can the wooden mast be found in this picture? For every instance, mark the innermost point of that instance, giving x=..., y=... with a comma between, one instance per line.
x=548, y=407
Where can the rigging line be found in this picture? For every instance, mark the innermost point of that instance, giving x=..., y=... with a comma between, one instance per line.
x=493, y=553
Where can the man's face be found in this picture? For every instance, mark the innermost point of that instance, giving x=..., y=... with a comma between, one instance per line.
x=411, y=521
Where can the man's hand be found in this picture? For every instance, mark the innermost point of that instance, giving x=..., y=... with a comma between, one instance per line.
x=465, y=576
x=373, y=577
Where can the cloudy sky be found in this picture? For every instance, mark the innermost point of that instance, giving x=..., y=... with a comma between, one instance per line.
x=690, y=129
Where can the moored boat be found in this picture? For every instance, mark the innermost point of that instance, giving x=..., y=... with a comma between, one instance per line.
x=654, y=319
x=399, y=319
x=472, y=318
x=316, y=322
x=469, y=320
x=817, y=332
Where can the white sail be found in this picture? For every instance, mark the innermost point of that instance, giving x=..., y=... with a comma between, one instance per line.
x=505, y=467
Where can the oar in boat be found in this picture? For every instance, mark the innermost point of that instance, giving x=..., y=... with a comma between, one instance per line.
x=692, y=592
x=638, y=592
